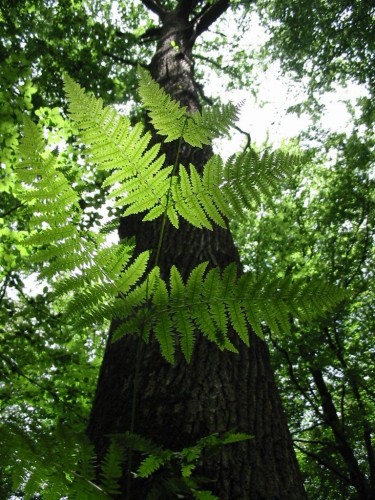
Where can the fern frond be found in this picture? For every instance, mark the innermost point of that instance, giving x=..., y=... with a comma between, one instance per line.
x=86, y=459
x=98, y=274
x=140, y=182
x=215, y=121
x=152, y=463
x=132, y=309
x=181, y=318
x=47, y=188
x=138, y=178
x=164, y=325
x=111, y=468
x=96, y=293
x=174, y=121
x=225, y=191
x=212, y=301
x=167, y=116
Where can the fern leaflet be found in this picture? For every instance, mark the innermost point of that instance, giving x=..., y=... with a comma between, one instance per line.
x=174, y=121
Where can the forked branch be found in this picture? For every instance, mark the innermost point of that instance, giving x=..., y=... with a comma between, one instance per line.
x=155, y=7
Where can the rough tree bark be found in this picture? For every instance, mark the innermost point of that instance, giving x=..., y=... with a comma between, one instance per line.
x=218, y=391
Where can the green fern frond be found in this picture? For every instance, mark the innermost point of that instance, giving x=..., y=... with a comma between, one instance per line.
x=52, y=235
x=164, y=325
x=248, y=177
x=134, y=309
x=202, y=127
x=86, y=459
x=213, y=301
x=153, y=462
x=98, y=274
x=140, y=182
x=111, y=468
x=138, y=179
x=174, y=121
x=46, y=187
x=136, y=442
x=53, y=203
x=167, y=116
x=99, y=293
x=224, y=191
x=53, y=465
x=106, y=272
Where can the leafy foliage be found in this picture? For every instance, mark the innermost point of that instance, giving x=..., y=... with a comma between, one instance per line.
x=328, y=214
x=106, y=284
x=217, y=303
x=48, y=364
x=95, y=281
x=63, y=464
x=336, y=39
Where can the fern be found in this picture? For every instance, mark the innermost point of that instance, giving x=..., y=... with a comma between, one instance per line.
x=112, y=468
x=50, y=199
x=139, y=180
x=175, y=122
x=55, y=465
x=212, y=302
x=101, y=282
x=152, y=463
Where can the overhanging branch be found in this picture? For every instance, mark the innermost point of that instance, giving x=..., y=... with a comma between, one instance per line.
x=208, y=16
x=155, y=7
x=322, y=462
x=124, y=60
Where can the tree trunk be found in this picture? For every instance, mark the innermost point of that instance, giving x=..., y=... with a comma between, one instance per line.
x=218, y=391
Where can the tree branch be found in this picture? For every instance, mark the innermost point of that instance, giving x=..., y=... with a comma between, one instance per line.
x=208, y=16
x=211, y=61
x=307, y=429
x=4, y=286
x=246, y=134
x=359, y=480
x=186, y=6
x=155, y=7
x=124, y=60
x=293, y=377
x=13, y=209
x=323, y=463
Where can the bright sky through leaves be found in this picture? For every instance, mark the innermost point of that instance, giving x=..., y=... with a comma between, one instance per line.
x=266, y=118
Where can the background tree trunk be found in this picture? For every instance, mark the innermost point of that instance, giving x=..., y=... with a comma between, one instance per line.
x=218, y=391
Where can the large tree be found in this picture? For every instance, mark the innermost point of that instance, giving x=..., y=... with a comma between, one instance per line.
x=175, y=405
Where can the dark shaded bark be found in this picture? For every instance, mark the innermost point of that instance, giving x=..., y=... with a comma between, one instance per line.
x=218, y=391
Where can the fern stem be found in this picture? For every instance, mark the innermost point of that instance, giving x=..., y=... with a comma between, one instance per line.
x=133, y=413
x=164, y=219
x=140, y=344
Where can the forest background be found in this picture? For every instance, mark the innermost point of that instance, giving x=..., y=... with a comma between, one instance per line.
x=320, y=221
